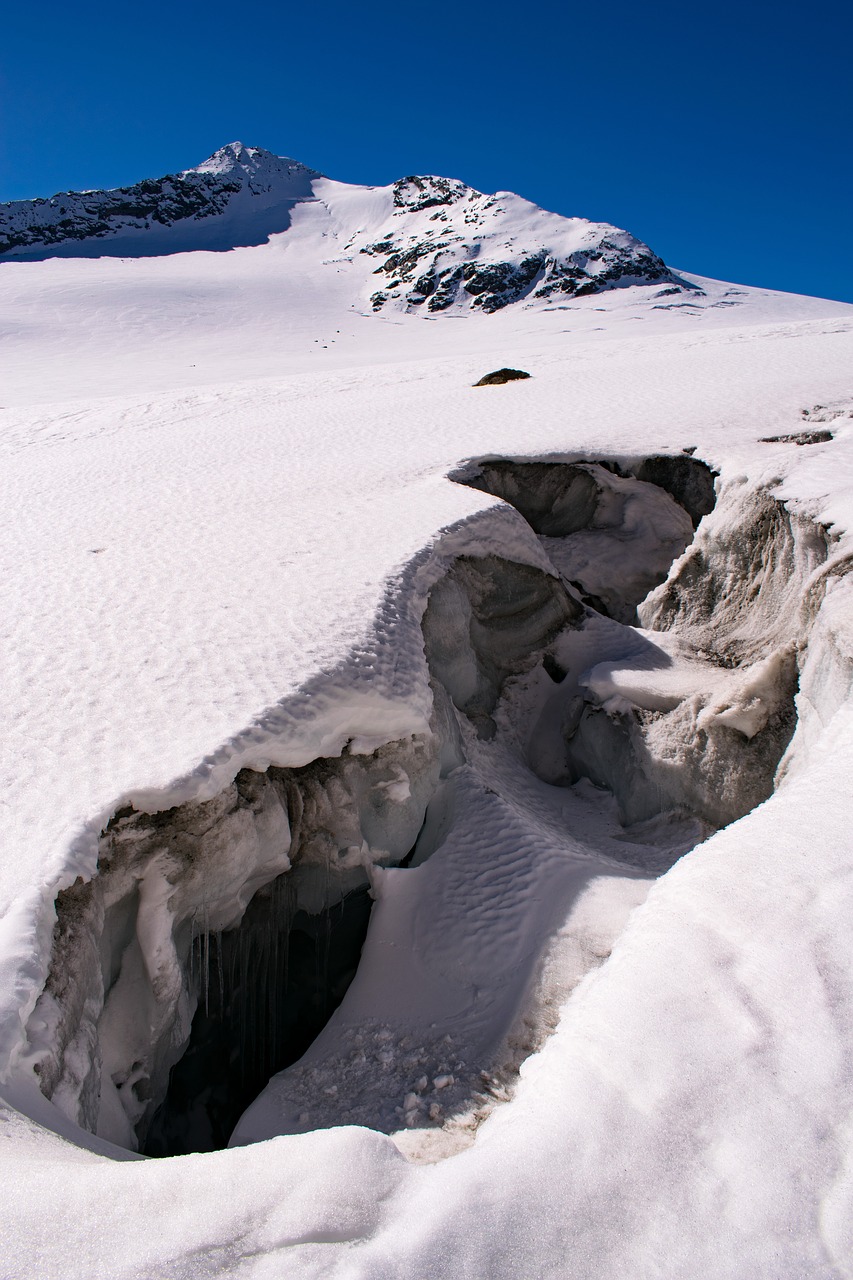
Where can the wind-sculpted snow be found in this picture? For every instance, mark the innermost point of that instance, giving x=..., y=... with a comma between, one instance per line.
x=103, y=1040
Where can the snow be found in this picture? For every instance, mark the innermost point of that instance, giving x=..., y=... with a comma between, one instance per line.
x=658, y=679
x=225, y=500
x=255, y=162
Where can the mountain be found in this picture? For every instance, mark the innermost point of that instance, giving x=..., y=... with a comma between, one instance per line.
x=423, y=242
x=240, y=195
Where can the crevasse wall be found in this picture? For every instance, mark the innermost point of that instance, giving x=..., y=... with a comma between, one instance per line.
x=752, y=597
x=116, y=1012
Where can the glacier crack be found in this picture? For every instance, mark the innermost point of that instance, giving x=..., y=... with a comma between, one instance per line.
x=593, y=718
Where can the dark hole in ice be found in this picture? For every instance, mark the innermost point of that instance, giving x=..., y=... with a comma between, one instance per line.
x=553, y=668
x=266, y=990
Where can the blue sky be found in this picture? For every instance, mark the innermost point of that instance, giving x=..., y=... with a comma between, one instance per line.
x=719, y=134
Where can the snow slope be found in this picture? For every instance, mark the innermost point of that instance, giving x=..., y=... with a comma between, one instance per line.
x=226, y=500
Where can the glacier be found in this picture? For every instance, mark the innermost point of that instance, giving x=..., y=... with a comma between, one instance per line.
x=437, y=790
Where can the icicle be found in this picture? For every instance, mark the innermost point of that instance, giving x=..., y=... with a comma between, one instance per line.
x=206, y=944
x=272, y=1000
x=259, y=989
x=219, y=971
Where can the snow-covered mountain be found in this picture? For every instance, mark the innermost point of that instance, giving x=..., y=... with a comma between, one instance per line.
x=513, y=723
x=238, y=196
x=422, y=242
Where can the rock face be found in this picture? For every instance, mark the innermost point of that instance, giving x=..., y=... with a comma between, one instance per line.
x=422, y=244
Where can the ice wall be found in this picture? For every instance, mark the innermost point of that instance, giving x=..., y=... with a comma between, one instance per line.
x=700, y=714
x=139, y=947
x=612, y=531
x=127, y=974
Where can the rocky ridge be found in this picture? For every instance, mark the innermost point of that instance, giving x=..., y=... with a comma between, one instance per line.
x=477, y=253
x=66, y=224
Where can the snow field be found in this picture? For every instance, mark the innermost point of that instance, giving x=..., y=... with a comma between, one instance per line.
x=207, y=575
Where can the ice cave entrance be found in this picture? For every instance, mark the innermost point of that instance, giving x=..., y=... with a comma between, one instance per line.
x=265, y=991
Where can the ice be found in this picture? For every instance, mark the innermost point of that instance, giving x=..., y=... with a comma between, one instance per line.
x=612, y=536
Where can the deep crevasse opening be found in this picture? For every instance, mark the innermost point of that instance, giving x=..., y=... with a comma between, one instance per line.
x=217, y=938
x=266, y=989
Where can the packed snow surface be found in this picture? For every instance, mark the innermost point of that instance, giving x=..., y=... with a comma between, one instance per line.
x=227, y=507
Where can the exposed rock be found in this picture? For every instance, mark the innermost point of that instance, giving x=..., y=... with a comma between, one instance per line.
x=500, y=376
x=799, y=437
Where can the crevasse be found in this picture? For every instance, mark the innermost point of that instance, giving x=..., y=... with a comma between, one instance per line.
x=652, y=676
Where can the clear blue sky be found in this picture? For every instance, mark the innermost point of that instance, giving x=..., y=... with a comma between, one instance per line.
x=720, y=134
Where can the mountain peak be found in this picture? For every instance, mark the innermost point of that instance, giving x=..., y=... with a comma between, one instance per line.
x=227, y=158
x=235, y=160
